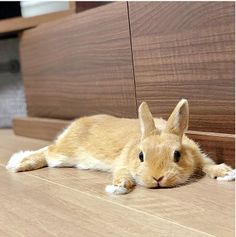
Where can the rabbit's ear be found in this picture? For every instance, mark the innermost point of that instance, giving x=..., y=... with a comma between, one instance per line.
x=146, y=120
x=178, y=120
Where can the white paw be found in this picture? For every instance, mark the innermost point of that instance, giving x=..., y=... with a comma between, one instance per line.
x=113, y=189
x=230, y=176
x=16, y=159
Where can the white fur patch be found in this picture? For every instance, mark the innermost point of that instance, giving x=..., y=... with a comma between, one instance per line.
x=16, y=159
x=230, y=176
x=93, y=164
x=54, y=163
x=139, y=181
x=83, y=160
x=113, y=189
x=59, y=163
x=58, y=160
x=86, y=161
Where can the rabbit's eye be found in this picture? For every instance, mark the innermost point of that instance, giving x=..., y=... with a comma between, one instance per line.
x=177, y=156
x=141, y=156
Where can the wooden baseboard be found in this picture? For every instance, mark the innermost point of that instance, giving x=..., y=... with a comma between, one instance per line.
x=40, y=128
x=219, y=146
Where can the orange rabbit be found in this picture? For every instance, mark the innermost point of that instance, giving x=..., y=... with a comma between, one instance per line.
x=146, y=151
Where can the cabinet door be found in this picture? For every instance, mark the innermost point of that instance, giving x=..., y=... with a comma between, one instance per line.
x=80, y=65
x=186, y=50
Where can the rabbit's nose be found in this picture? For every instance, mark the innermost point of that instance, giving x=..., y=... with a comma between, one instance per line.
x=159, y=179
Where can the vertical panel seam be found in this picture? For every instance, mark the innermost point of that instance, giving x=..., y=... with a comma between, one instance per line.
x=132, y=59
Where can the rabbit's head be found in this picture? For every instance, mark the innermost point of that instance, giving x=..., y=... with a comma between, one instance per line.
x=165, y=161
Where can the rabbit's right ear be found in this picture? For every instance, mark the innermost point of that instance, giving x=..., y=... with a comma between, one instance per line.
x=146, y=120
x=178, y=120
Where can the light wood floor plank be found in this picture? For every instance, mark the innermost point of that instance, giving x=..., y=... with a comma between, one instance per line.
x=205, y=205
x=32, y=207
x=203, y=208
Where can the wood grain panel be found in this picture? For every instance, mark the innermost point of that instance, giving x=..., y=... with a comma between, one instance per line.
x=84, y=6
x=220, y=147
x=80, y=65
x=186, y=50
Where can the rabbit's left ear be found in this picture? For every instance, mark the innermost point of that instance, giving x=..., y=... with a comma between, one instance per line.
x=146, y=120
x=178, y=120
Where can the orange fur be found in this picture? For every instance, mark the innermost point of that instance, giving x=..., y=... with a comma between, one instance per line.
x=113, y=144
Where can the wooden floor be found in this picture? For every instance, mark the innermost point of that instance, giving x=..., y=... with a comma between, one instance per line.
x=71, y=202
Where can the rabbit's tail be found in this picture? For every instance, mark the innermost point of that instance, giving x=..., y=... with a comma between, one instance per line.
x=27, y=160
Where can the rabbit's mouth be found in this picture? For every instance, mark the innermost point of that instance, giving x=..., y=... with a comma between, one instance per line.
x=157, y=186
x=147, y=183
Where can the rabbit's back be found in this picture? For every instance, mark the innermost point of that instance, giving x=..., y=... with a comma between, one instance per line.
x=99, y=136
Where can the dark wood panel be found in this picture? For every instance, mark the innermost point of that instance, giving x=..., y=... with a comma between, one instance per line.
x=84, y=6
x=80, y=65
x=220, y=147
x=186, y=50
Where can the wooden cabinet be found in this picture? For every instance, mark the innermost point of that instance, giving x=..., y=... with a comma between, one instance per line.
x=186, y=50
x=80, y=65
x=110, y=59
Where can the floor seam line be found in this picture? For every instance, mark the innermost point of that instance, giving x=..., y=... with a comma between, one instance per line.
x=118, y=204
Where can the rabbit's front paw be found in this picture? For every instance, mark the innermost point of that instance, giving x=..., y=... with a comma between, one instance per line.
x=115, y=189
x=120, y=186
x=218, y=170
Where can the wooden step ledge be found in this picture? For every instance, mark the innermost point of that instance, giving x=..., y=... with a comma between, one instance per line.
x=219, y=146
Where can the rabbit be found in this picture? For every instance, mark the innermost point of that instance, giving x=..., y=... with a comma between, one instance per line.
x=147, y=151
